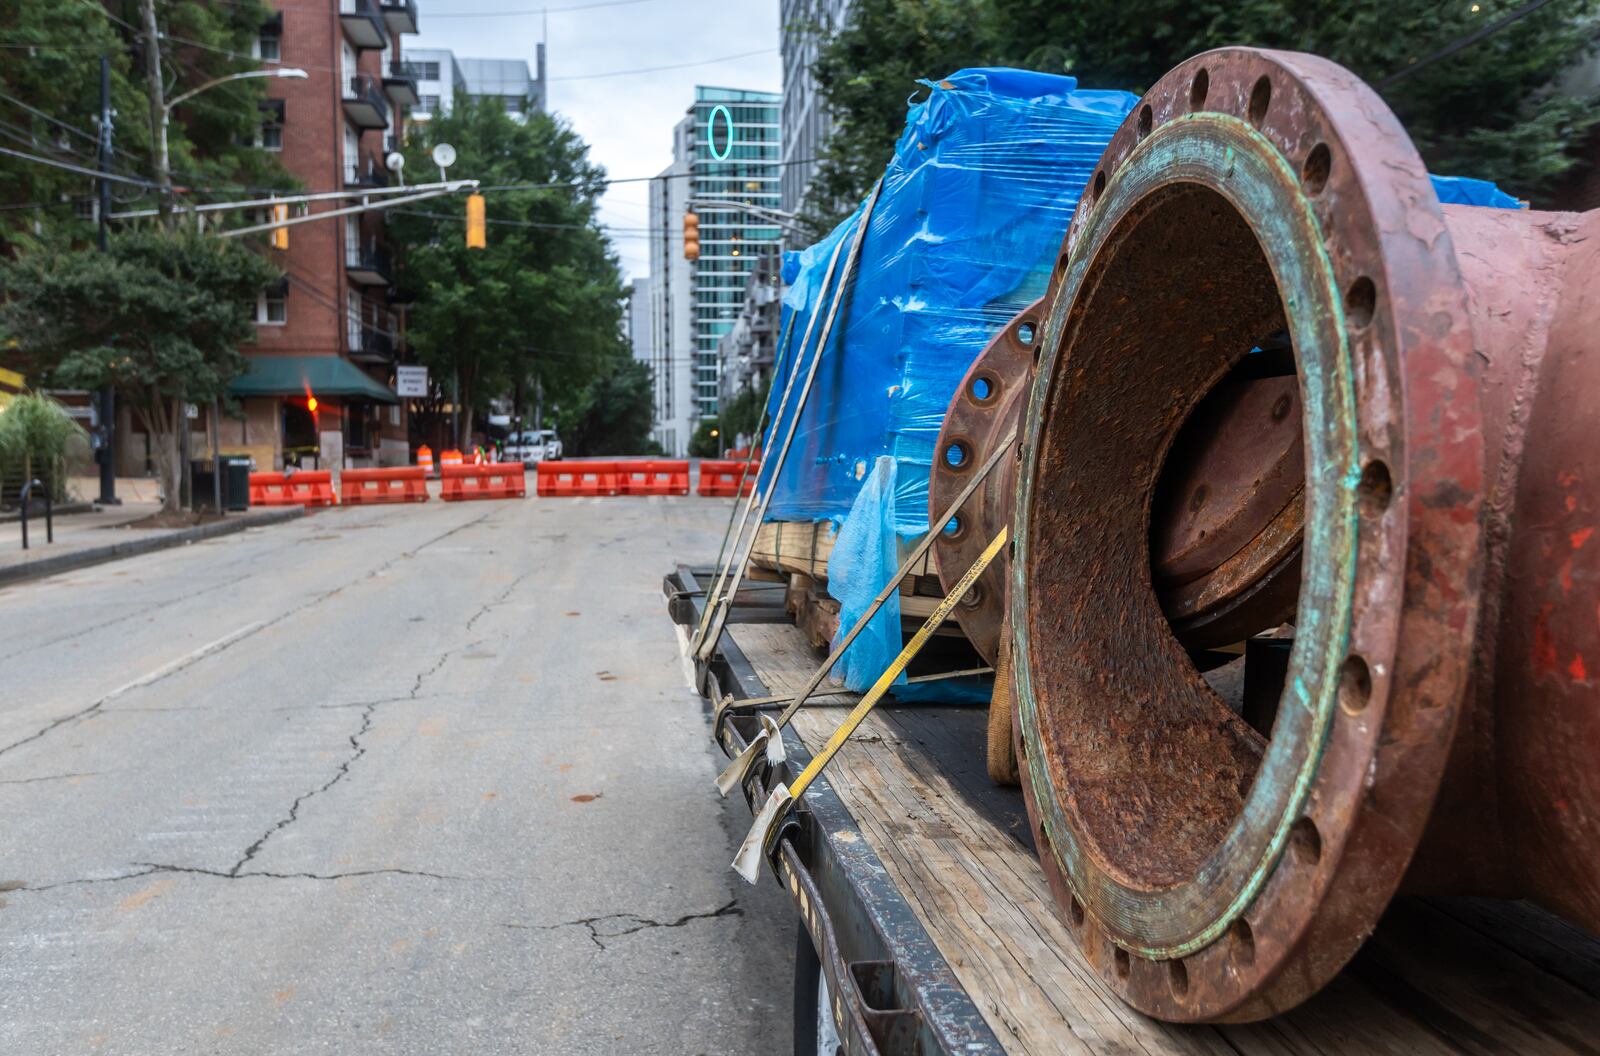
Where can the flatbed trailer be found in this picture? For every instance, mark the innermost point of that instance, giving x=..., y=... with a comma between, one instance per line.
x=927, y=922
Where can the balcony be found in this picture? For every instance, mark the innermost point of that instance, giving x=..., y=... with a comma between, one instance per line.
x=364, y=102
x=372, y=346
x=365, y=172
x=400, y=15
x=363, y=25
x=401, y=84
x=367, y=265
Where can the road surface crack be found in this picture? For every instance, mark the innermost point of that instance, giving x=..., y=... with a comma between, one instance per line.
x=50, y=777
x=616, y=925
x=498, y=599
x=155, y=869
x=357, y=750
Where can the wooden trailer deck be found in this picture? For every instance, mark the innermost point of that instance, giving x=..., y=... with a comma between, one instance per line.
x=1440, y=975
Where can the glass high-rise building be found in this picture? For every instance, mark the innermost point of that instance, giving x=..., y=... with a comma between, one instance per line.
x=733, y=150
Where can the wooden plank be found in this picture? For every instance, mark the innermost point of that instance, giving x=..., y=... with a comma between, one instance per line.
x=804, y=548
x=1439, y=977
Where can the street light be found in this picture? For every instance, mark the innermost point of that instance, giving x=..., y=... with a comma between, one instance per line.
x=162, y=163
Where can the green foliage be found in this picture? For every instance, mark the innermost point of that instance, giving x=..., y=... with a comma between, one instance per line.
x=543, y=301
x=1494, y=110
x=707, y=439
x=59, y=76
x=158, y=316
x=613, y=413
x=741, y=416
x=34, y=433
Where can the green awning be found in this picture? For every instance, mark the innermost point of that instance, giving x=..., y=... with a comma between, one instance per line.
x=270, y=375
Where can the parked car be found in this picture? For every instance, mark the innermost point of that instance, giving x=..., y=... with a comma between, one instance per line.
x=533, y=446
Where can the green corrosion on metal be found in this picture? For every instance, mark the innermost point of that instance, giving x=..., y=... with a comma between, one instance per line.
x=1229, y=157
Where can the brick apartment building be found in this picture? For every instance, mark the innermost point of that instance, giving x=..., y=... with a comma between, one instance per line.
x=330, y=332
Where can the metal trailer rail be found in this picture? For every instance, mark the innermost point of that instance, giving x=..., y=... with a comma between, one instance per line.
x=893, y=992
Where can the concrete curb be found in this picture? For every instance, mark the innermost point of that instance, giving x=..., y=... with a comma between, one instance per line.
x=96, y=555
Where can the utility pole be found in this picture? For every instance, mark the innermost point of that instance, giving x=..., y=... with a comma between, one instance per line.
x=158, y=108
x=108, y=404
x=158, y=131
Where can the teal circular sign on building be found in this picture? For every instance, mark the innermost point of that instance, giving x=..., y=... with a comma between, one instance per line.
x=711, y=133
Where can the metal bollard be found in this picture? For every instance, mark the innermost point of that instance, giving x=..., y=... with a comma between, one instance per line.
x=49, y=514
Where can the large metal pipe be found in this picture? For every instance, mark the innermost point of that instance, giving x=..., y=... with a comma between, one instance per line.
x=1413, y=490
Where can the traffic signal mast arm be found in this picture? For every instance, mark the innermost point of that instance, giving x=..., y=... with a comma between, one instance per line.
x=775, y=217
x=444, y=187
x=366, y=207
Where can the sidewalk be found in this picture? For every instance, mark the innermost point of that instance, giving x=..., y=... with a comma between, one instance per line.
x=83, y=539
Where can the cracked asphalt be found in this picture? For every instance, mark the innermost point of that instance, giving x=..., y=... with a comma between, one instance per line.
x=407, y=779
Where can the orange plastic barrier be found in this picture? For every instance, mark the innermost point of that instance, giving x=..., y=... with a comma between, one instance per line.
x=306, y=487
x=491, y=480
x=452, y=457
x=425, y=459
x=564, y=479
x=653, y=478
x=399, y=484
x=720, y=479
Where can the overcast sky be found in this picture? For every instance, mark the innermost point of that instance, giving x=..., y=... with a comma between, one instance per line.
x=627, y=120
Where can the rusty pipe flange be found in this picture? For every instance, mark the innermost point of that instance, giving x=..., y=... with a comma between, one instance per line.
x=987, y=404
x=1210, y=874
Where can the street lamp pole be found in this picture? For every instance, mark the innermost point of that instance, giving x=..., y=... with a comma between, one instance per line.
x=163, y=169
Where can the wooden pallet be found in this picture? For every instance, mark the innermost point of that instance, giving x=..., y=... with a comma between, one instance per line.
x=1439, y=976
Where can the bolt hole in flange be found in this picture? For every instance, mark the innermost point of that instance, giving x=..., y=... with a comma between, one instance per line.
x=1075, y=912
x=1025, y=332
x=956, y=455
x=1178, y=976
x=1260, y=100
x=1360, y=303
x=1242, y=943
x=1146, y=118
x=1319, y=164
x=1198, y=88
x=1123, y=961
x=982, y=389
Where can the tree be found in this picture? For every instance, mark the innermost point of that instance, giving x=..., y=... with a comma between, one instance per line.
x=50, y=107
x=543, y=302
x=707, y=439
x=159, y=316
x=614, y=412
x=1495, y=109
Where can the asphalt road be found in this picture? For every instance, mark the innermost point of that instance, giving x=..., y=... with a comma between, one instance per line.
x=410, y=779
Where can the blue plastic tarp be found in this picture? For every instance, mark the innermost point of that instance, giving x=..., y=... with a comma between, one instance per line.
x=974, y=203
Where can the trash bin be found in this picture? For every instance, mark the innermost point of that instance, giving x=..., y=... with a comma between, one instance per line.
x=236, y=482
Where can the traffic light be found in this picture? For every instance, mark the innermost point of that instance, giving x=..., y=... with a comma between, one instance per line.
x=691, y=236
x=477, y=237
x=280, y=235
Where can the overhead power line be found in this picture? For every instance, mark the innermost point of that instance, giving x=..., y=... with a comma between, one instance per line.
x=1462, y=43
x=535, y=10
x=658, y=69
x=78, y=169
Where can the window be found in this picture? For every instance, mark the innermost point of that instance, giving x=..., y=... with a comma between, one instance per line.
x=353, y=319
x=513, y=104
x=429, y=104
x=426, y=71
x=270, y=136
x=269, y=45
x=272, y=307
x=352, y=154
